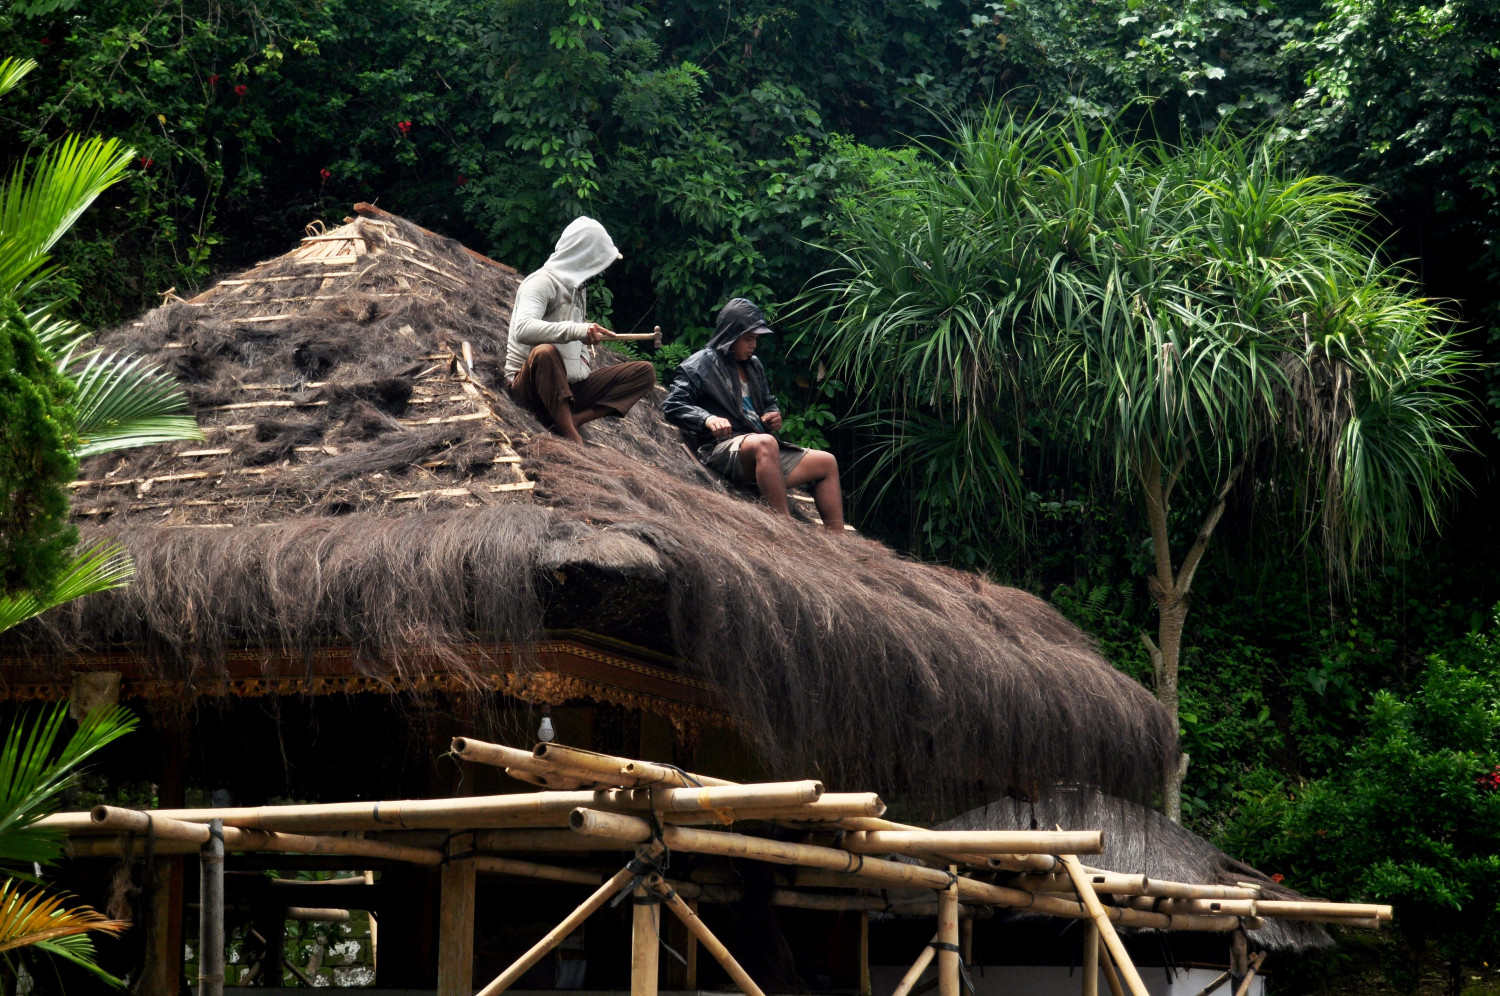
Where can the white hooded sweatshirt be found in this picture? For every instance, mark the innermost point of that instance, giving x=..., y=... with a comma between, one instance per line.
x=550, y=303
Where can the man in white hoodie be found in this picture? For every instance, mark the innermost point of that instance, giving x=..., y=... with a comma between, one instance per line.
x=550, y=357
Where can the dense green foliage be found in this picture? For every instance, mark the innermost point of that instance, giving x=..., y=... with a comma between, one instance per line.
x=1410, y=817
x=36, y=462
x=724, y=144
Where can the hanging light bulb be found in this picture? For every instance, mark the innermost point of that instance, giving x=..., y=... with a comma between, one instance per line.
x=545, y=732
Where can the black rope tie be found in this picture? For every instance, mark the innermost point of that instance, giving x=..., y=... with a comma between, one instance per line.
x=855, y=863
x=963, y=970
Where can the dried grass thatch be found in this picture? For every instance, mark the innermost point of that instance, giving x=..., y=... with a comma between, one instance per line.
x=1141, y=841
x=362, y=483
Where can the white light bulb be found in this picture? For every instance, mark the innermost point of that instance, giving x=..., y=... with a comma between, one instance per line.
x=545, y=733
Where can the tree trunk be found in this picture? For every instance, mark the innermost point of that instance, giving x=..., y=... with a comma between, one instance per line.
x=1169, y=591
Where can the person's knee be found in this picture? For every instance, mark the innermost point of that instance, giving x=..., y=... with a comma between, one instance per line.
x=641, y=372
x=545, y=353
x=759, y=445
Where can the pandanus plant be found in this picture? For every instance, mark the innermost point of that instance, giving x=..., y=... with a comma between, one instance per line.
x=1184, y=321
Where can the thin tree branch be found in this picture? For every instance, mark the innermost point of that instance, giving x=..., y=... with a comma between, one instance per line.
x=1156, y=513
x=1205, y=533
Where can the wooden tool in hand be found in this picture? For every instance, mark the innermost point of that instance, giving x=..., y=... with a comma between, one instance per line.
x=654, y=336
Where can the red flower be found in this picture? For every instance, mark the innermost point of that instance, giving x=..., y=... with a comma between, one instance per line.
x=213, y=80
x=1277, y=877
x=325, y=174
x=146, y=162
x=46, y=41
x=405, y=127
x=240, y=89
x=460, y=179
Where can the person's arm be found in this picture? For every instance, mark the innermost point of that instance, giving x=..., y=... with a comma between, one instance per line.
x=527, y=324
x=770, y=414
x=681, y=406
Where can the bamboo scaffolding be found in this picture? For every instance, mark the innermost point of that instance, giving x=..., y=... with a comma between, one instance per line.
x=1113, y=883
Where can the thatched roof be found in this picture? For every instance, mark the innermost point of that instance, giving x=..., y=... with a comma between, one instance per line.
x=363, y=484
x=1141, y=841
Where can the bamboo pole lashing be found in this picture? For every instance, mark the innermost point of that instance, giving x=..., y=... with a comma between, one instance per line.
x=705, y=937
x=1107, y=935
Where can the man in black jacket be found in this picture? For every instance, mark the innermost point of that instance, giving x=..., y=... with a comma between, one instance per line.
x=721, y=397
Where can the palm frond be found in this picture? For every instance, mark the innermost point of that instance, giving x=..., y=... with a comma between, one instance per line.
x=43, y=198
x=122, y=402
x=11, y=72
x=96, y=568
x=33, y=773
x=79, y=949
x=34, y=917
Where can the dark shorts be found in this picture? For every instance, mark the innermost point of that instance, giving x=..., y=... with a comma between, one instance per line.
x=724, y=459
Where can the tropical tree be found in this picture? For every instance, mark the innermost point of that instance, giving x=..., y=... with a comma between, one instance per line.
x=1188, y=323
x=59, y=399
x=34, y=773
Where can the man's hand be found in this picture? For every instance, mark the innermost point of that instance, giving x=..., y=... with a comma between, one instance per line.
x=718, y=425
x=771, y=420
x=597, y=332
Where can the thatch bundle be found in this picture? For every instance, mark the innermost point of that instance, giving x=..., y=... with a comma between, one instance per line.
x=365, y=484
x=1141, y=841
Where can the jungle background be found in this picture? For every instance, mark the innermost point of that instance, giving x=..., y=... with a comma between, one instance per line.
x=1342, y=725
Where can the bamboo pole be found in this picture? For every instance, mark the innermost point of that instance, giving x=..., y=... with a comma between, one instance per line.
x=522, y=841
x=1090, y=960
x=478, y=812
x=975, y=841
x=317, y=914
x=1107, y=933
x=1287, y=910
x=530, y=869
x=211, y=913
x=1255, y=963
x=554, y=937
x=1112, y=883
x=1213, y=986
x=865, y=989
x=698, y=929
x=917, y=968
x=645, y=944
x=1111, y=977
x=947, y=932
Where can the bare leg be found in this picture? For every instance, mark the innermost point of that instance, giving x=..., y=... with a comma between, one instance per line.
x=562, y=421
x=760, y=456
x=822, y=470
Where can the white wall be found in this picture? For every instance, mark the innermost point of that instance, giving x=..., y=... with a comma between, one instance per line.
x=1049, y=980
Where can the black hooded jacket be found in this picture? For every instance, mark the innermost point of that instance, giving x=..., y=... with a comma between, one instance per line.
x=707, y=383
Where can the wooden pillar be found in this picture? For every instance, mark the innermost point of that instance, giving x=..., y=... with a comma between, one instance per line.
x=1090, y=960
x=162, y=970
x=455, y=975
x=864, y=953
x=645, y=944
x=690, y=976
x=947, y=939
x=211, y=913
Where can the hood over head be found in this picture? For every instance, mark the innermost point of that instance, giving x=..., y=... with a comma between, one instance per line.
x=584, y=250
x=735, y=319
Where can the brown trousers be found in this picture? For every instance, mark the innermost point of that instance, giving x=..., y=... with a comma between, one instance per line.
x=542, y=385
